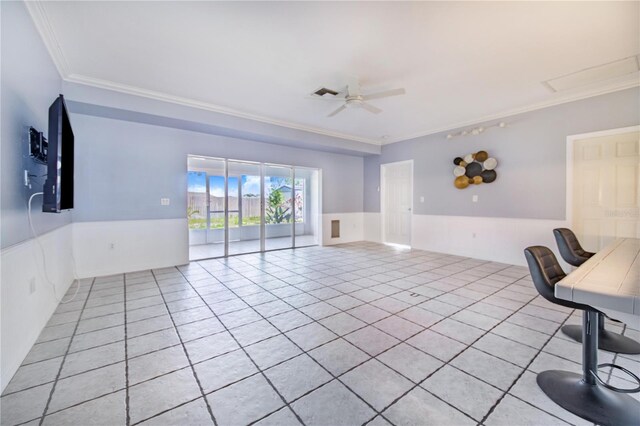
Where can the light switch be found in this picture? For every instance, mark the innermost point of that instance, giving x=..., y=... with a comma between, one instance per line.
x=165, y=201
x=474, y=198
x=422, y=198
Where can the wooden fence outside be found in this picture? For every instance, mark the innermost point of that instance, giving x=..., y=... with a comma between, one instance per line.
x=197, y=202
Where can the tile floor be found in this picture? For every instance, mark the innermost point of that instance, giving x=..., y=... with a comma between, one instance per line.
x=352, y=334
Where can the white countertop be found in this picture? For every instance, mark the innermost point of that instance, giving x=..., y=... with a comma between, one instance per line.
x=608, y=281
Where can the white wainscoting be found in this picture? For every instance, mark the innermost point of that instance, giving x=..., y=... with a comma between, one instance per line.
x=24, y=314
x=105, y=248
x=351, y=228
x=372, y=227
x=496, y=239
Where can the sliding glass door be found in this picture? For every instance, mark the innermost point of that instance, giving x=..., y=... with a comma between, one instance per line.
x=278, y=207
x=205, y=207
x=306, y=206
x=237, y=207
x=244, y=221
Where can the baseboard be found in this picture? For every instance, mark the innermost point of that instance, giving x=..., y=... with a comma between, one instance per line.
x=25, y=313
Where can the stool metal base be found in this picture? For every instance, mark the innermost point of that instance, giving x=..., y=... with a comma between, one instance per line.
x=607, y=340
x=591, y=402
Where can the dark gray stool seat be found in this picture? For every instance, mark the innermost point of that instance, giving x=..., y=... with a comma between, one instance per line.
x=573, y=253
x=584, y=395
x=570, y=248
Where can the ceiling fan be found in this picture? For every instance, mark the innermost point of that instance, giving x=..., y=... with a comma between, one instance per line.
x=353, y=98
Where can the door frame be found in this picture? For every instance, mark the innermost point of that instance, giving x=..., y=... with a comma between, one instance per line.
x=571, y=139
x=383, y=236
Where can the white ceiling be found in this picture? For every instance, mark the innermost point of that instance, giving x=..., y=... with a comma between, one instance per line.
x=460, y=63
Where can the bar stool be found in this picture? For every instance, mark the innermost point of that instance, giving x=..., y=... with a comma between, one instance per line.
x=584, y=395
x=573, y=253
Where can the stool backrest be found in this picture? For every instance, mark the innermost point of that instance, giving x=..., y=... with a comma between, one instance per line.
x=545, y=270
x=570, y=248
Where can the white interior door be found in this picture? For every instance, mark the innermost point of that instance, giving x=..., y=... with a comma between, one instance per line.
x=397, y=202
x=606, y=182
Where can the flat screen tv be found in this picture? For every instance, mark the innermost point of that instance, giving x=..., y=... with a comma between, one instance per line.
x=58, y=188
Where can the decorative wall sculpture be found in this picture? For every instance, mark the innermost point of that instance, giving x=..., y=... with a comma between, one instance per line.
x=474, y=169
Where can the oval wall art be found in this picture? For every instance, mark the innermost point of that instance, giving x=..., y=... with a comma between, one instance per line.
x=474, y=169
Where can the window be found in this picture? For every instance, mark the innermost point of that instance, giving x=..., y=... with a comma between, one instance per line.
x=300, y=200
x=244, y=200
x=197, y=200
x=216, y=202
x=250, y=189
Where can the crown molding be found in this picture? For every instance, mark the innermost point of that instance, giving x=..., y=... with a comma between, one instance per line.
x=38, y=15
x=164, y=97
x=615, y=87
x=44, y=28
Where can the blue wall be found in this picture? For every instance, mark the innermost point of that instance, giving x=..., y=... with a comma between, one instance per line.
x=29, y=84
x=124, y=168
x=531, y=154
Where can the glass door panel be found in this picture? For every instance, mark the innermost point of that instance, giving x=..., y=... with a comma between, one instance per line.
x=234, y=197
x=216, y=210
x=205, y=207
x=278, y=207
x=244, y=207
x=306, y=206
x=197, y=201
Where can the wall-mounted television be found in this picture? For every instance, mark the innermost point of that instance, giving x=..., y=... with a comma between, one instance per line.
x=58, y=188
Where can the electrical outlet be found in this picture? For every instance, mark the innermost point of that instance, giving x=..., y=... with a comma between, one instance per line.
x=474, y=198
x=32, y=285
x=165, y=201
x=422, y=198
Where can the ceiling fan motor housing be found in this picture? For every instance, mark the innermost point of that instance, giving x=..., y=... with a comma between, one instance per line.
x=354, y=101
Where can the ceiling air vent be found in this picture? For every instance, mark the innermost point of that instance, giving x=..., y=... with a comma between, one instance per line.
x=592, y=75
x=324, y=91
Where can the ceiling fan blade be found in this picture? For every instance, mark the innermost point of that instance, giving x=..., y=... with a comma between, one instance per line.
x=384, y=94
x=342, y=108
x=370, y=108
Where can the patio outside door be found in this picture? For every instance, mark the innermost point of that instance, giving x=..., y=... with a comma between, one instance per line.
x=279, y=206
